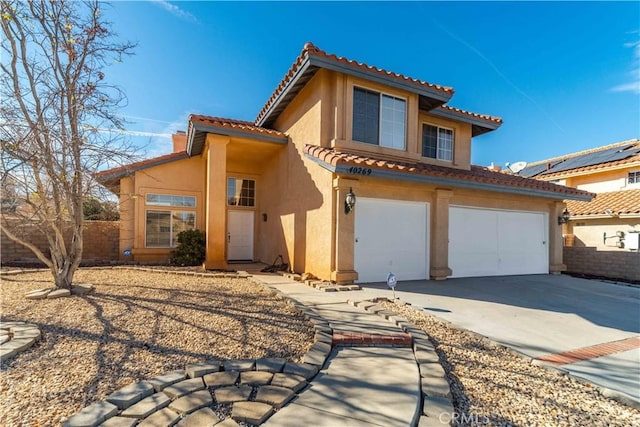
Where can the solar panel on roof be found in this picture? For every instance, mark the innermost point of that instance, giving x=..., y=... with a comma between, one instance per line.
x=590, y=159
x=531, y=171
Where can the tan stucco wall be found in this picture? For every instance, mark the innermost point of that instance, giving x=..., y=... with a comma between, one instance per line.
x=303, y=191
x=602, y=182
x=590, y=232
x=182, y=178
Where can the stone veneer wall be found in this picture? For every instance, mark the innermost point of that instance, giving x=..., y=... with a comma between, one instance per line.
x=612, y=264
x=100, y=243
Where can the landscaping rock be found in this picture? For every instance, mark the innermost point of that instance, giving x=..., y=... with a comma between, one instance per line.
x=58, y=293
x=254, y=413
x=229, y=422
x=39, y=294
x=82, y=289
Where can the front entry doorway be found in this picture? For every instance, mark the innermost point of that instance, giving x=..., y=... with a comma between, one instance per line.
x=240, y=235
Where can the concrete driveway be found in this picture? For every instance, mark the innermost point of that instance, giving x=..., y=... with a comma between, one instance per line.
x=595, y=324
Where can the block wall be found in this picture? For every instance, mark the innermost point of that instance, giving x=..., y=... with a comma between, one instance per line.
x=611, y=264
x=100, y=242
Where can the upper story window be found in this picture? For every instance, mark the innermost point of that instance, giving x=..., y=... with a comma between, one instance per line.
x=634, y=177
x=437, y=142
x=241, y=192
x=169, y=200
x=379, y=119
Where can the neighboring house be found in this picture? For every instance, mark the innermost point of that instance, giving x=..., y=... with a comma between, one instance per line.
x=611, y=221
x=602, y=236
x=334, y=129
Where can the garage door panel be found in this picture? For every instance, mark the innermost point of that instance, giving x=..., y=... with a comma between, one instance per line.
x=391, y=236
x=485, y=242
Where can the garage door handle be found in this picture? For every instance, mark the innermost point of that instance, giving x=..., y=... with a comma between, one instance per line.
x=356, y=240
x=544, y=242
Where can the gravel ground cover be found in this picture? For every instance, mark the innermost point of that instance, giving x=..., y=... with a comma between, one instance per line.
x=134, y=326
x=491, y=386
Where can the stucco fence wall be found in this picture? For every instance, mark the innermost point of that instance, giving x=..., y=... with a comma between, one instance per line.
x=611, y=264
x=100, y=242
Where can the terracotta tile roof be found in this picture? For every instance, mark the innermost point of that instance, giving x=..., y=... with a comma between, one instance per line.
x=470, y=114
x=477, y=174
x=590, y=168
x=233, y=124
x=618, y=202
x=121, y=171
x=311, y=49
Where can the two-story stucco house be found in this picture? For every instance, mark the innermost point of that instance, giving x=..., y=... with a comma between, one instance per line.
x=334, y=129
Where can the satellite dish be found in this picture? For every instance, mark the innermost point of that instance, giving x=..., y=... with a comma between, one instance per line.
x=517, y=166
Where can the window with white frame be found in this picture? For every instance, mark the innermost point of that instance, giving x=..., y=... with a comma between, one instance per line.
x=379, y=119
x=437, y=142
x=170, y=200
x=163, y=227
x=241, y=192
x=634, y=177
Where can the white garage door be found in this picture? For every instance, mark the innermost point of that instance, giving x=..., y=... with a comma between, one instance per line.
x=390, y=236
x=486, y=242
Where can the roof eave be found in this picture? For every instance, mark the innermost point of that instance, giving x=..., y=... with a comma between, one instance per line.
x=197, y=134
x=427, y=179
x=479, y=126
x=312, y=63
x=105, y=177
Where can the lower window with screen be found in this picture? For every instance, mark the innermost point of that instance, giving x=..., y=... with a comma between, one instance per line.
x=163, y=227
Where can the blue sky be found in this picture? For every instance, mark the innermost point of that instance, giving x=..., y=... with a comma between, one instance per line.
x=564, y=76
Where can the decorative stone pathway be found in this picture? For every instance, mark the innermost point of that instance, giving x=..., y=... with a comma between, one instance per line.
x=234, y=393
x=16, y=337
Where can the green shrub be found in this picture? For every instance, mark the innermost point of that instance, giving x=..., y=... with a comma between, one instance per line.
x=191, y=248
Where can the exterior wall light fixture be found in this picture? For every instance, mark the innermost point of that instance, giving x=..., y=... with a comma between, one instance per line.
x=564, y=218
x=349, y=201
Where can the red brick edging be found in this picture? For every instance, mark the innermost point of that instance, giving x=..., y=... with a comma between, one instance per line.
x=352, y=339
x=591, y=352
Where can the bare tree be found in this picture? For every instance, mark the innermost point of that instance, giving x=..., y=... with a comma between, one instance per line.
x=54, y=108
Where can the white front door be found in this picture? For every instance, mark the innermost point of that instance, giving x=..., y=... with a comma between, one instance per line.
x=491, y=242
x=390, y=237
x=240, y=235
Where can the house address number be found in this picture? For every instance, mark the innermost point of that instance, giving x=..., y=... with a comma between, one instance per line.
x=359, y=171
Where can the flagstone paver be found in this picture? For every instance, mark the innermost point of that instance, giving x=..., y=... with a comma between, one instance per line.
x=254, y=413
x=221, y=379
x=192, y=402
x=17, y=337
x=203, y=417
x=184, y=387
x=233, y=393
x=147, y=406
